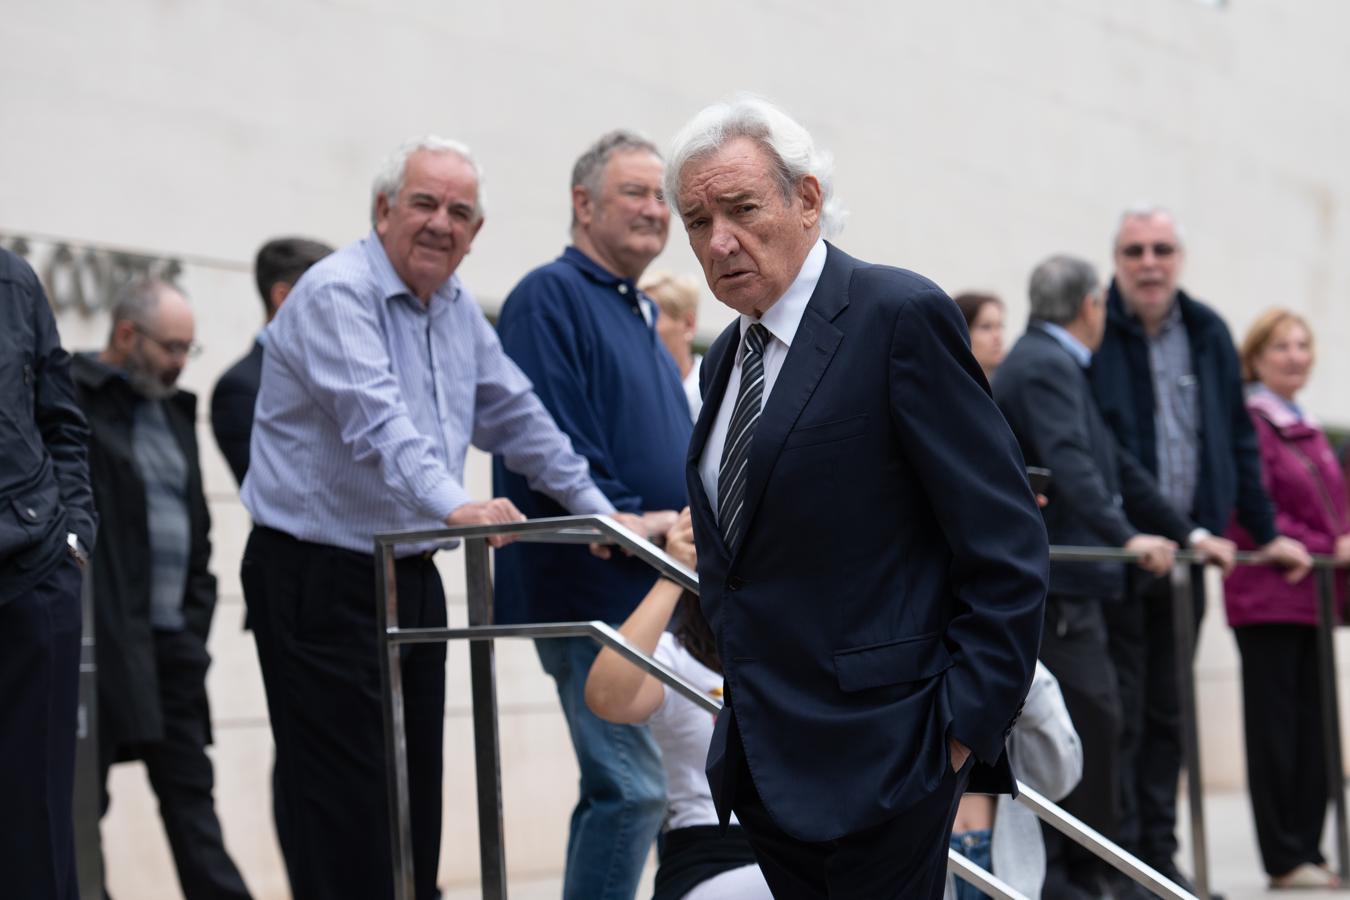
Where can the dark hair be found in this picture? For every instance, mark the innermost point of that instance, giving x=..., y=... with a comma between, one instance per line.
x=284, y=260
x=971, y=302
x=693, y=633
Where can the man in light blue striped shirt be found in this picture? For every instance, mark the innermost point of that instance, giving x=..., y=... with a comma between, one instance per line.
x=379, y=372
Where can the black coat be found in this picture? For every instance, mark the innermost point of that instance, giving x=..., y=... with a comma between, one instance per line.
x=1230, y=460
x=44, y=472
x=129, y=704
x=1100, y=496
x=232, y=403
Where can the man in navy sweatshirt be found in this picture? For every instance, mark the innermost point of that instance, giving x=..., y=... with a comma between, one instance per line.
x=586, y=336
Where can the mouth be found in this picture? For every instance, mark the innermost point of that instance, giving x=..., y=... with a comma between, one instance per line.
x=731, y=279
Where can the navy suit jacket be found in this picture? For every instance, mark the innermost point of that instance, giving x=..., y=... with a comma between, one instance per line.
x=888, y=589
x=232, y=404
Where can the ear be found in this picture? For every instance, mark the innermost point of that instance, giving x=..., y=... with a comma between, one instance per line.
x=123, y=337
x=277, y=295
x=581, y=205
x=474, y=229
x=382, y=207
x=812, y=199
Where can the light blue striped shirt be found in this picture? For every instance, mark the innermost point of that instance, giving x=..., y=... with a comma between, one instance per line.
x=369, y=401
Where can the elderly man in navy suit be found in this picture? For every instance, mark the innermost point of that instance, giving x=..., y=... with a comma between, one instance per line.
x=871, y=557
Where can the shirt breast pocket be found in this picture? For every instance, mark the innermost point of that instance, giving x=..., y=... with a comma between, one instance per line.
x=826, y=432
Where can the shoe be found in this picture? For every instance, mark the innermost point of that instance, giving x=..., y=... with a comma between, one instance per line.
x=1305, y=876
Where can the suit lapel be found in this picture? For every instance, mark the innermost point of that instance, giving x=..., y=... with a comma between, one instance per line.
x=812, y=349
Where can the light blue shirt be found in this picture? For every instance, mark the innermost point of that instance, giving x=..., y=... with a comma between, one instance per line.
x=1077, y=349
x=369, y=401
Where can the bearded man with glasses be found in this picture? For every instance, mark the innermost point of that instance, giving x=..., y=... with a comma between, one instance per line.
x=153, y=592
x=1169, y=386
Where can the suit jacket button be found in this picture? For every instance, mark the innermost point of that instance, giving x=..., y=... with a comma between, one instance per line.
x=735, y=583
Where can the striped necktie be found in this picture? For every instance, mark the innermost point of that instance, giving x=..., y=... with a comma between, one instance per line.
x=741, y=431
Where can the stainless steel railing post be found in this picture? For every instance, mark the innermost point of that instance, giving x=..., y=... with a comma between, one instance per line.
x=1183, y=625
x=1331, y=713
x=395, y=733
x=486, y=739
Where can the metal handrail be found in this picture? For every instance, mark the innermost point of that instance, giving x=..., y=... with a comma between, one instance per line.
x=600, y=529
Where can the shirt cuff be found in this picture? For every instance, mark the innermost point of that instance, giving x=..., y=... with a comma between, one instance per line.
x=590, y=501
x=1197, y=535
x=444, y=499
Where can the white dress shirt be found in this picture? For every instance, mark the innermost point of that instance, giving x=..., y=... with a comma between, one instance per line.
x=781, y=320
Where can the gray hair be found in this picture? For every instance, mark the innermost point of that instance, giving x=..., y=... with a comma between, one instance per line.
x=1058, y=287
x=1146, y=210
x=389, y=178
x=137, y=302
x=791, y=146
x=589, y=169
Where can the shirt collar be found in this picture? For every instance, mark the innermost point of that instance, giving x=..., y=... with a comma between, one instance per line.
x=391, y=286
x=785, y=316
x=625, y=288
x=1173, y=318
x=1279, y=410
x=1077, y=349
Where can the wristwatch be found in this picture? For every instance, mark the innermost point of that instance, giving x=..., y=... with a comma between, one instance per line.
x=77, y=550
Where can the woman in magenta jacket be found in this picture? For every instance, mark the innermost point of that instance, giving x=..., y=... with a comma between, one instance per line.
x=1274, y=621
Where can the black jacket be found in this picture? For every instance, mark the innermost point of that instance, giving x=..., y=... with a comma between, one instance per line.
x=1230, y=460
x=44, y=471
x=127, y=679
x=1100, y=496
x=232, y=403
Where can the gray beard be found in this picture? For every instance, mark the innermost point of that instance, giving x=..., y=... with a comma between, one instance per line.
x=146, y=383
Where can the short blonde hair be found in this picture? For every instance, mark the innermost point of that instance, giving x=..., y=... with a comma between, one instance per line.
x=1262, y=332
x=677, y=295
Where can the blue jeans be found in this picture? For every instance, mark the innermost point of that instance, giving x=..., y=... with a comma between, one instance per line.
x=976, y=847
x=623, y=788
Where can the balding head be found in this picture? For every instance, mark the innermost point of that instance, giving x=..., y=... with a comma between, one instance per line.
x=152, y=336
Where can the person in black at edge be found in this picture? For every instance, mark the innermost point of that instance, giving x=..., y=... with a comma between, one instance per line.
x=47, y=524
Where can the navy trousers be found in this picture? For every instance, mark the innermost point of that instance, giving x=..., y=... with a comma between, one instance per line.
x=39, y=696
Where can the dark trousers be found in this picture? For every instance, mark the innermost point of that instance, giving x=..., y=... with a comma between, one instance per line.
x=312, y=608
x=180, y=771
x=1282, y=715
x=39, y=690
x=1074, y=649
x=1143, y=648
x=904, y=857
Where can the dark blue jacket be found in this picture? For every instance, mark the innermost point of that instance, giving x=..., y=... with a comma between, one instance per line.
x=1100, y=496
x=44, y=464
x=232, y=403
x=603, y=374
x=1230, y=459
x=888, y=588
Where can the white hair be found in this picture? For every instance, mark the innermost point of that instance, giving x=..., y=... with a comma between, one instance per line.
x=1146, y=210
x=746, y=115
x=389, y=178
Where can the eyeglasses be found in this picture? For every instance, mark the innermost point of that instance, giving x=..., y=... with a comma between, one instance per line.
x=1136, y=251
x=173, y=348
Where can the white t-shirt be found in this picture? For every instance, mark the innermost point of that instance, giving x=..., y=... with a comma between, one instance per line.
x=683, y=731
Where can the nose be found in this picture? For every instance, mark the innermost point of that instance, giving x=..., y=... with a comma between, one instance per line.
x=440, y=221
x=723, y=243
x=653, y=207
